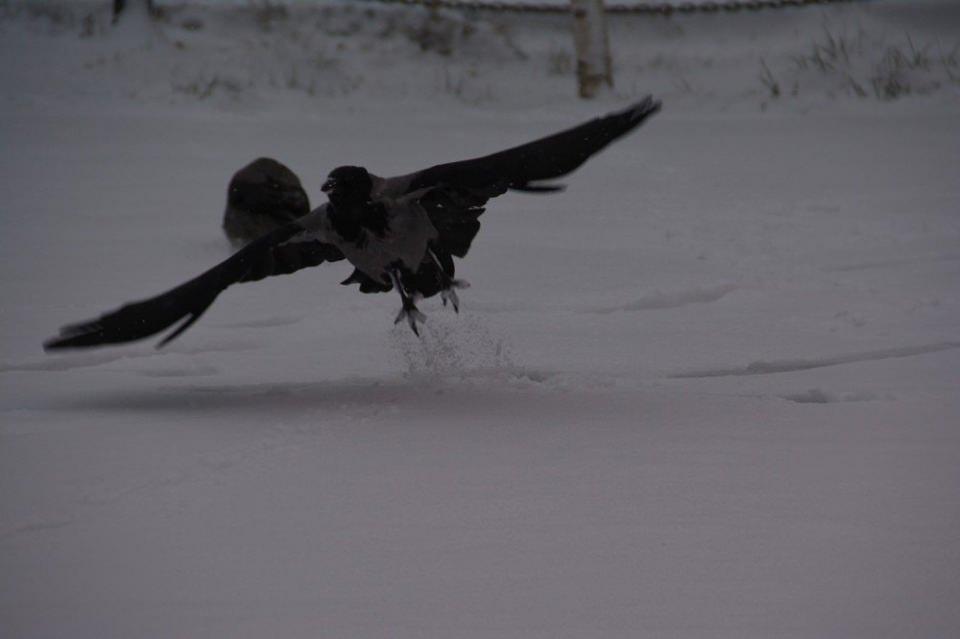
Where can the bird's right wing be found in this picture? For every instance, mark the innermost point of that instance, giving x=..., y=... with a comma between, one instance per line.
x=284, y=250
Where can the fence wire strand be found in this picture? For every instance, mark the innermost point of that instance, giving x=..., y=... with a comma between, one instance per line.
x=651, y=8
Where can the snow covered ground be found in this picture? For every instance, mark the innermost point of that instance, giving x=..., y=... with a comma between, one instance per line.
x=711, y=390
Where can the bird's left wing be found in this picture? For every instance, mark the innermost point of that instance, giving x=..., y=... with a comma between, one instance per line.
x=454, y=194
x=284, y=250
x=525, y=167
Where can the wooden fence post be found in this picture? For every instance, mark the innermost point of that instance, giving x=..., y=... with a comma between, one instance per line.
x=120, y=5
x=592, y=45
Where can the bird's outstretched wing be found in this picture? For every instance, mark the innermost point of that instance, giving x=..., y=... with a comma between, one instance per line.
x=524, y=167
x=281, y=251
x=454, y=194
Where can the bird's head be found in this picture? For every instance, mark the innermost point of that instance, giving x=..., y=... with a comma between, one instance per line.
x=348, y=184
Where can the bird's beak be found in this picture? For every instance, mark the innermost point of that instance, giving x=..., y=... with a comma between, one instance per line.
x=329, y=185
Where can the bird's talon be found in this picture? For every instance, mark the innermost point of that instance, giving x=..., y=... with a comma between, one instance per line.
x=413, y=315
x=450, y=295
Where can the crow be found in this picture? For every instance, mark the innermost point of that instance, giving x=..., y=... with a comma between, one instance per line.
x=399, y=233
x=262, y=196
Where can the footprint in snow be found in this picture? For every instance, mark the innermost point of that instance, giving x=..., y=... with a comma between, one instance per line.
x=792, y=365
x=820, y=396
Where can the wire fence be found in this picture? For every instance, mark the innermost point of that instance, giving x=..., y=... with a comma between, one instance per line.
x=652, y=8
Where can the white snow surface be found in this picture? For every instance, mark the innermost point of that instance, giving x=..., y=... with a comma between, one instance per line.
x=711, y=390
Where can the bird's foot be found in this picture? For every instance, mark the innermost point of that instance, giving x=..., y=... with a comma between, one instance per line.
x=449, y=293
x=412, y=314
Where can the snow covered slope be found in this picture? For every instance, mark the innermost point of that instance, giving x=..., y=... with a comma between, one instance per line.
x=711, y=390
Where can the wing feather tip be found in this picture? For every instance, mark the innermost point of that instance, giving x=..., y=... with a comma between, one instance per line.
x=644, y=108
x=63, y=342
x=191, y=318
x=53, y=344
x=70, y=336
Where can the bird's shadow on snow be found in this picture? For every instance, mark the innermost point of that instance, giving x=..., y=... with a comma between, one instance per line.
x=482, y=391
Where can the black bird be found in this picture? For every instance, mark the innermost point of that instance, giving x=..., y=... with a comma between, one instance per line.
x=399, y=233
x=261, y=196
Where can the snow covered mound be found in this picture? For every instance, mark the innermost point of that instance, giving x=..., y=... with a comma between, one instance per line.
x=235, y=55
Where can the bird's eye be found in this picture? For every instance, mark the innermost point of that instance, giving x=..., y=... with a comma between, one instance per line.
x=275, y=186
